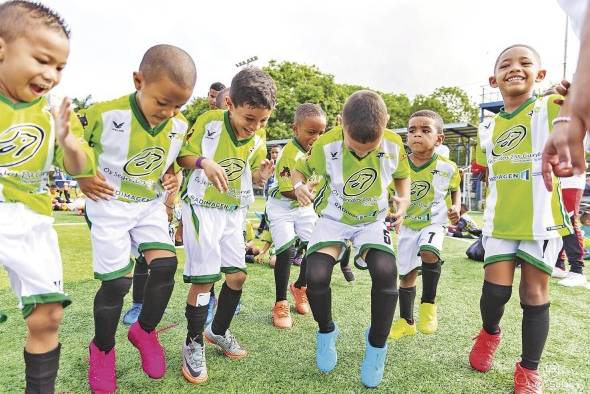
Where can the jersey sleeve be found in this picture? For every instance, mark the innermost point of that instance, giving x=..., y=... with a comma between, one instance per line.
x=552, y=108
x=312, y=162
x=259, y=153
x=480, y=154
x=77, y=131
x=455, y=180
x=192, y=145
x=403, y=166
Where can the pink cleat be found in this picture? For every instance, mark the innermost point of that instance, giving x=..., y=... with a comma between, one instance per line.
x=101, y=372
x=153, y=360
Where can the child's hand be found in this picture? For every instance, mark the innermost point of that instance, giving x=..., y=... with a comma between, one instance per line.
x=96, y=188
x=562, y=89
x=304, y=195
x=454, y=214
x=216, y=174
x=62, y=123
x=265, y=171
x=170, y=183
x=312, y=184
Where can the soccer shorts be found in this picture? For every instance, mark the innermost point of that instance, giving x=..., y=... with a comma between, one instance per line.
x=30, y=254
x=329, y=232
x=411, y=242
x=213, y=243
x=117, y=228
x=541, y=253
x=287, y=223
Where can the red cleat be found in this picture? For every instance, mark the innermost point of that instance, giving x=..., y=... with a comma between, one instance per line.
x=483, y=350
x=527, y=381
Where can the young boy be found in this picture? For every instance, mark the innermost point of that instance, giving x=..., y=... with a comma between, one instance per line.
x=434, y=196
x=361, y=162
x=522, y=221
x=286, y=218
x=225, y=154
x=214, y=90
x=34, y=49
x=136, y=139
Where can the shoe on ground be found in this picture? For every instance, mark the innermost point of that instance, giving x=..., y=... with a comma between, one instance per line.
x=132, y=314
x=483, y=350
x=573, y=279
x=401, y=328
x=194, y=366
x=373, y=364
x=227, y=343
x=101, y=371
x=347, y=272
x=427, y=318
x=211, y=309
x=325, y=354
x=300, y=298
x=527, y=381
x=153, y=359
x=281, y=315
x=558, y=273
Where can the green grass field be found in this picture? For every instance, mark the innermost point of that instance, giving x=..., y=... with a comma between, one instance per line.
x=283, y=361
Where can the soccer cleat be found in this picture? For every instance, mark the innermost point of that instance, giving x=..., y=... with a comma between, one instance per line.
x=373, y=364
x=101, y=371
x=300, y=298
x=527, y=381
x=483, y=350
x=227, y=343
x=281, y=316
x=347, y=272
x=132, y=314
x=325, y=353
x=194, y=366
x=558, y=273
x=573, y=279
x=153, y=360
x=402, y=328
x=427, y=319
x=211, y=309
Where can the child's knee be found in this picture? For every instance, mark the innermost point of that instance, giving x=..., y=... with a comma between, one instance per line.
x=45, y=318
x=534, y=293
x=236, y=280
x=429, y=257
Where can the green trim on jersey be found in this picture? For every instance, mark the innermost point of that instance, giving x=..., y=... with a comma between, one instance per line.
x=153, y=131
x=20, y=104
x=233, y=270
x=510, y=115
x=416, y=168
x=30, y=302
x=201, y=279
x=116, y=274
x=156, y=246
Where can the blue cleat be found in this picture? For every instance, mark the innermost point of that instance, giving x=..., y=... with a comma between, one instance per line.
x=373, y=364
x=132, y=314
x=211, y=310
x=325, y=353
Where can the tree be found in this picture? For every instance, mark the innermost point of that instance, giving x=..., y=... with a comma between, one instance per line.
x=452, y=103
x=81, y=104
x=198, y=106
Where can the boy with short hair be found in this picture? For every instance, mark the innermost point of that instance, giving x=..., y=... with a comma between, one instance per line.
x=136, y=139
x=435, y=195
x=362, y=162
x=214, y=90
x=225, y=154
x=34, y=49
x=522, y=220
x=289, y=221
x=220, y=101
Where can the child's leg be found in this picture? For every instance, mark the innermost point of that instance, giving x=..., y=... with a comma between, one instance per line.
x=301, y=281
x=431, y=265
x=108, y=303
x=496, y=291
x=407, y=295
x=318, y=274
x=197, y=304
x=228, y=300
x=282, y=271
x=140, y=275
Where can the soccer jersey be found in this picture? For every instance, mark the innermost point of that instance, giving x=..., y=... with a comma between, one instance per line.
x=212, y=136
x=518, y=206
x=430, y=193
x=356, y=188
x=131, y=155
x=28, y=148
x=286, y=162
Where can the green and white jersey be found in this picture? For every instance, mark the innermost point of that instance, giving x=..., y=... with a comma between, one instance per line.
x=28, y=149
x=132, y=155
x=356, y=189
x=212, y=136
x=510, y=145
x=286, y=162
x=430, y=197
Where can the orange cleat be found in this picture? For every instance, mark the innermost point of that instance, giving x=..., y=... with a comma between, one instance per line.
x=300, y=298
x=281, y=315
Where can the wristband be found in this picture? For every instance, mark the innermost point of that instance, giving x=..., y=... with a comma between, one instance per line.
x=199, y=162
x=561, y=119
x=297, y=185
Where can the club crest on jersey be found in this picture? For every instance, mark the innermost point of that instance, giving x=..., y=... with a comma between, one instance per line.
x=145, y=162
x=360, y=182
x=418, y=190
x=20, y=143
x=509, y=140
x=233, y=167
x=285, y=172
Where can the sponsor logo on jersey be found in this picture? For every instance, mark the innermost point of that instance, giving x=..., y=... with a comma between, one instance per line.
x=524, y=175
x=509, y=140
x=118, y=127
x=20, y=143
x=360, y=182
x=145, y=162
x=233, y=167
x=334, y=155
x=418, y=190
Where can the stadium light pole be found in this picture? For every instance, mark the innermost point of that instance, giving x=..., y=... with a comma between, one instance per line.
x=246, y=62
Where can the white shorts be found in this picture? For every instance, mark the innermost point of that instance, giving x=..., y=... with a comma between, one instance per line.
x=287, y=224
x=213, y=243
x=411, y=242
x=363, y=237
x=30, y=254
x=542, y=253
x=117, y=228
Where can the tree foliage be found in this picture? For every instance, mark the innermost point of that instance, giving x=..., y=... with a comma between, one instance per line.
x=452, y=104
x=80, y=104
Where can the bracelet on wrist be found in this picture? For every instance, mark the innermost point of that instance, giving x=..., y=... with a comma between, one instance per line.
x=561, y=119
x=199, y=162
x=297, y=185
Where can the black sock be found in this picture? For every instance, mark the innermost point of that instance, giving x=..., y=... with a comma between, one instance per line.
x=158, y=289
x=430, y=277
x=345, y=260
x=282, y=270
x=226, y=306
x=535, y=328
x=407, y=295
x=491, y=305
x=41, y=371
x=301, y=282
x=140, y=275
x=195, y=322
x=108, y=303
x=384, y=294
x=318, y=274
